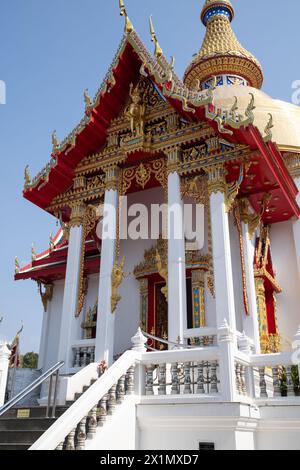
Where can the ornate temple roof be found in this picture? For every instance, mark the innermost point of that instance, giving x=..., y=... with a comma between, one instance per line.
x=221, y=51
x=133, y=60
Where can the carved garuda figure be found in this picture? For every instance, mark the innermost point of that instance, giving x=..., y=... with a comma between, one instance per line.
x=136, y=112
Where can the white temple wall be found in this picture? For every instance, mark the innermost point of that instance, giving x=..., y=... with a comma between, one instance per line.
x=128, y=310
x=237, y=274
x=53, y=326
x=285, y=264
x=183, y=427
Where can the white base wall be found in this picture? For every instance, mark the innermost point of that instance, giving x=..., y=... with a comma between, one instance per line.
x=230, y=426
x=183, y=427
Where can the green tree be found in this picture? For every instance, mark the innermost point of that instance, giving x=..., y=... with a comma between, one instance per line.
x=30, y=360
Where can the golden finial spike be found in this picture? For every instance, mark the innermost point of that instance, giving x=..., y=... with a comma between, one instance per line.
x=158, y=50
x=152, y=32
x=128, y=25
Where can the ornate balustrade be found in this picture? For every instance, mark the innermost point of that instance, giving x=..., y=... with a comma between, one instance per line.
x=182, y=372
x=266, y=376
x=278, y=378
x=83, y=353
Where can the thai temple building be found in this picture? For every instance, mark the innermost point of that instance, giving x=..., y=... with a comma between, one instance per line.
x=160, y=341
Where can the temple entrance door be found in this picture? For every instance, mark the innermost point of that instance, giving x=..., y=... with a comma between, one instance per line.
x=161, y=314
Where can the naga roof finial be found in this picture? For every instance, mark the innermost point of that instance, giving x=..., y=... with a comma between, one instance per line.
x=128, y=25
x=158, y=50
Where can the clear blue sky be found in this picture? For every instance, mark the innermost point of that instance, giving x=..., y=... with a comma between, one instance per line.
x=50, y=51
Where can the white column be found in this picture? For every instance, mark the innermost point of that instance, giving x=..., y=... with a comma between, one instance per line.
x=4, y=361
x=177, y=307
x=106, y=319
x=250, y=322
x=70, y=299
x=222, y=261
x=296, y=229
x=44, y=335
x=224, y=291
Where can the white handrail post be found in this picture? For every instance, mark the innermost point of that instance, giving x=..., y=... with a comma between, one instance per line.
x=227, y=368
x=4, y=361
x=139, y=342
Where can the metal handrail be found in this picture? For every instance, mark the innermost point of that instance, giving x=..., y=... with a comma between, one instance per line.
x=169, y=343
x=54, y=370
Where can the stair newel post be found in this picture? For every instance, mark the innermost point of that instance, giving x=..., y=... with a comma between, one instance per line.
x=139, y=342
x=92, y=423
x=81, y=435
x=71, y=440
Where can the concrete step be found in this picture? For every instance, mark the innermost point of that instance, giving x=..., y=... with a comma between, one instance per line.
x=19, y=437
x=35, y=412
x=13, y=446
x=14, y=424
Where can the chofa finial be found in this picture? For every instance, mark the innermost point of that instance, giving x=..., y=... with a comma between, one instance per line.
x=27, y=177
x=128, y=25
x=158, y=50
x=55, y=141
x=87, y=99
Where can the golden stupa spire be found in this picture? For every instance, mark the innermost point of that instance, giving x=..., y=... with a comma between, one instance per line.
x=221, y=52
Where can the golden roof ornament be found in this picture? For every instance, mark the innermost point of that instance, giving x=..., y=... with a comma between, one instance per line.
x=17, y=265
x=55, y=142
x=87, y=99
x=221, y=53
x=268, y=129
x=27, y=177
x=158, y=50
x=128, y=25
x=33, y=252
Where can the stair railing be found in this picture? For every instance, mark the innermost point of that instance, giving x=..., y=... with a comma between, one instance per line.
x=53, y=372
